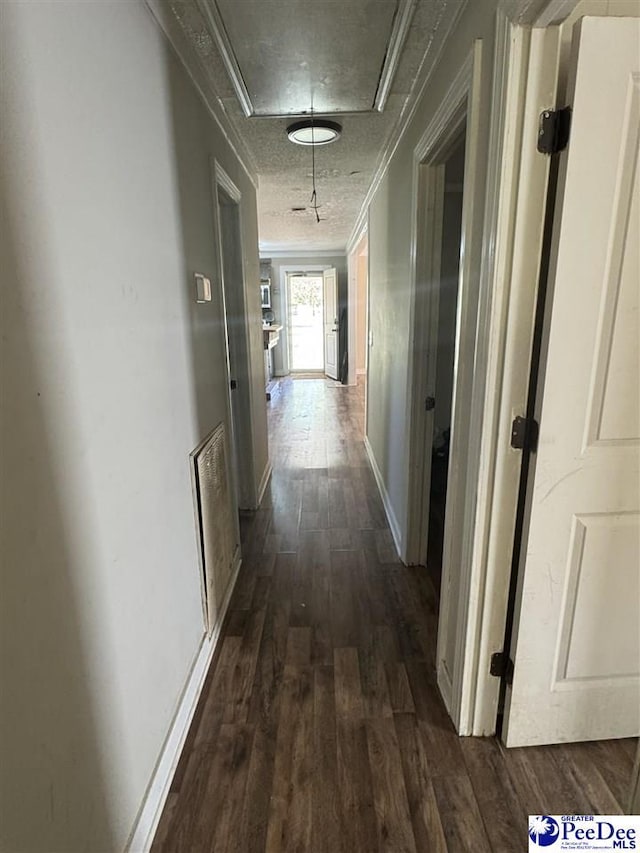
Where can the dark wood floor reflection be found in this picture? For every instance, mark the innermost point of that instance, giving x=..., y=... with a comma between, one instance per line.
x=320, y=727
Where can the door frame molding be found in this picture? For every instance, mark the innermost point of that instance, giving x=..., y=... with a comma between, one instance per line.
x=459, y=108
x=525, y=81
x=512, y=274
x=352, y=298
x=244, y=486
x=284, y=303
x=516, y=187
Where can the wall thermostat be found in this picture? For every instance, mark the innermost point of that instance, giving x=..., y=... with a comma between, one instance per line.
x=203, y=288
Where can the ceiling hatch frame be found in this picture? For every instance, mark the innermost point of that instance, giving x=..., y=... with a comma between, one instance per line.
x=401, y=23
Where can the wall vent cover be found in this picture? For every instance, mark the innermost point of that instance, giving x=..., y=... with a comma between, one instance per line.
x=214, y=513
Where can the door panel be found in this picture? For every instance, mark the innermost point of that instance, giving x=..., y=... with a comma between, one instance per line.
x=331, y=323
x=577, y=645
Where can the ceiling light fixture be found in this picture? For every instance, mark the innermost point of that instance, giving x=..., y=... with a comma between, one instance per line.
x=314, y=131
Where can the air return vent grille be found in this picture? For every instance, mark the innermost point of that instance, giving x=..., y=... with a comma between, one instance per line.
x=214, y=509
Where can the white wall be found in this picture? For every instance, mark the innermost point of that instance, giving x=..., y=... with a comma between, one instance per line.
x=111, y=374
x=390, y=253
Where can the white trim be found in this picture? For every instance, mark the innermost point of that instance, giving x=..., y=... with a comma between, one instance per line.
x=266, y=254
x=361, y=371
x=358, y=236
x=426, y=70
x=352, y=302
x=512, y=277
x=537, y=13
x=504, y=140
x=218, y=33
x=223, y=180
x=469, y=376
x=199, y=76
x=245, y=409
x=386, y=500
x=555, y=12
x=284, y=306
x=446, y=116
x=264, y=482
x=460, y=107
x=146, y=824
x=399, y=31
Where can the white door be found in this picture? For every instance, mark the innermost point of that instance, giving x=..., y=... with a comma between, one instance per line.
x=577, y=638
x=331, y=323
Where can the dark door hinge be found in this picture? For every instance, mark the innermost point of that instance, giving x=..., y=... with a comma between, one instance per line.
x=553, y=130
x=233, y=384
x=429, y=404
x=501, y=666
x=524, y=434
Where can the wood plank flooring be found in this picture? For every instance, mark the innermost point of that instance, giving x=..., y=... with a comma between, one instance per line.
x=320, y=727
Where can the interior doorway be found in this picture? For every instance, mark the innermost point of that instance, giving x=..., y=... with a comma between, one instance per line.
x=444, y=355
x=305, y=322
x=447, y=235
x=358, y=345
x=229, y=232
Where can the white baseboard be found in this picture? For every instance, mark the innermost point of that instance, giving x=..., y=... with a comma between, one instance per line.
x=264, y=482
x=386, y=502
x=146, y=824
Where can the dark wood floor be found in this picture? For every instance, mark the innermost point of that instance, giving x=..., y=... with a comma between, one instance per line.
x=320, y=727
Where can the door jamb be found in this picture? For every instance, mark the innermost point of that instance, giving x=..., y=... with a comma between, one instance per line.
x=244, y=476
x=441, y=132
x=461, y=105
x=515, y=192
x=526, y=81
x=352, y=299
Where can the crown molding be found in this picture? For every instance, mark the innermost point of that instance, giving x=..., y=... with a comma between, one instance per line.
x=399, y=31
x=537, y=13
x=166, y=20
x=404, y=119
x=269, y=254
x=358, y=234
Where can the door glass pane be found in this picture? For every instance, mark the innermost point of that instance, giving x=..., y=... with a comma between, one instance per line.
x=306, y=322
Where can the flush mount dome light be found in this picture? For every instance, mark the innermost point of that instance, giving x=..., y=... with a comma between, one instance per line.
x=316, y=132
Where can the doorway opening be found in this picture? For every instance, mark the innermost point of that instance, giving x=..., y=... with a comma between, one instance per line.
x=448, y=245
x=445, y=307
x=305, y=322
x=237, y=343
x=359, y=316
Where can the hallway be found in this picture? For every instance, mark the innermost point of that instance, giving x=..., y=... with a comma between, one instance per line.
x=320, y=727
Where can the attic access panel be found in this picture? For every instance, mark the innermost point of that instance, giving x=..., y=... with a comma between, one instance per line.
x=287, y=49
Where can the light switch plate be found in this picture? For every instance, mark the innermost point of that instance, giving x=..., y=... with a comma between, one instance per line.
x=203, y=288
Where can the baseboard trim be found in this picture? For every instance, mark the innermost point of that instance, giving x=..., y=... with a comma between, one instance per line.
x=264, y=482
x=146, y=824
x=386, y=501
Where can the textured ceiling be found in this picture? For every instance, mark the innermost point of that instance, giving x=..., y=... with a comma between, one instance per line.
x=344, y=169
